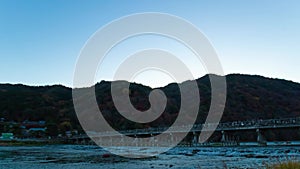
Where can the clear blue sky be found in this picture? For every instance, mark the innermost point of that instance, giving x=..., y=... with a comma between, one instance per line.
x=40, y=39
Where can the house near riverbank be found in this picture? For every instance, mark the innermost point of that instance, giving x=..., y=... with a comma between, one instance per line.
x=7, y=136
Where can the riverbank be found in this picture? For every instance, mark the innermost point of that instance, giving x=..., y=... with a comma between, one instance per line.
x=41, y=142
x=29, y=142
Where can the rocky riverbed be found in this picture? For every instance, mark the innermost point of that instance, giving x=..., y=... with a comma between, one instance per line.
x=92, y=157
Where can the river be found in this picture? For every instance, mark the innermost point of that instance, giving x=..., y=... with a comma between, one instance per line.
x=93, y=157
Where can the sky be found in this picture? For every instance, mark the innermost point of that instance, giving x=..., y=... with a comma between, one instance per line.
x=40, y=40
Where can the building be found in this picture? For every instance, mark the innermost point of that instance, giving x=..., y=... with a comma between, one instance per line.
x=7, y=136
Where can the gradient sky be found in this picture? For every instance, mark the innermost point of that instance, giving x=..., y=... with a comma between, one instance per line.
x=40, y=40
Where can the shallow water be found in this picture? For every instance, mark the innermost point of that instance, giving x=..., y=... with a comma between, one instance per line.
x=91, y=157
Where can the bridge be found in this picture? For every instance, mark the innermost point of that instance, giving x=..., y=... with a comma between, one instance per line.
x=113, y=138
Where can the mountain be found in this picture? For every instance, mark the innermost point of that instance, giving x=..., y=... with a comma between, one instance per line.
x=248, y=97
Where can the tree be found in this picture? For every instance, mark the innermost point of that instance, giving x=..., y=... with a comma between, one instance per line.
x=52, y=130
x=64, y=126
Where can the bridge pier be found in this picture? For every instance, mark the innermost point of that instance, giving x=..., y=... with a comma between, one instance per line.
x=260, y=138
x=229, y=140
x=135, y=141
x=224, y=137
x=195, y=139
x=152, y=140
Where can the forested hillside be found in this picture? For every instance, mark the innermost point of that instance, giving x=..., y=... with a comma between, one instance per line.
x=248, y=97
